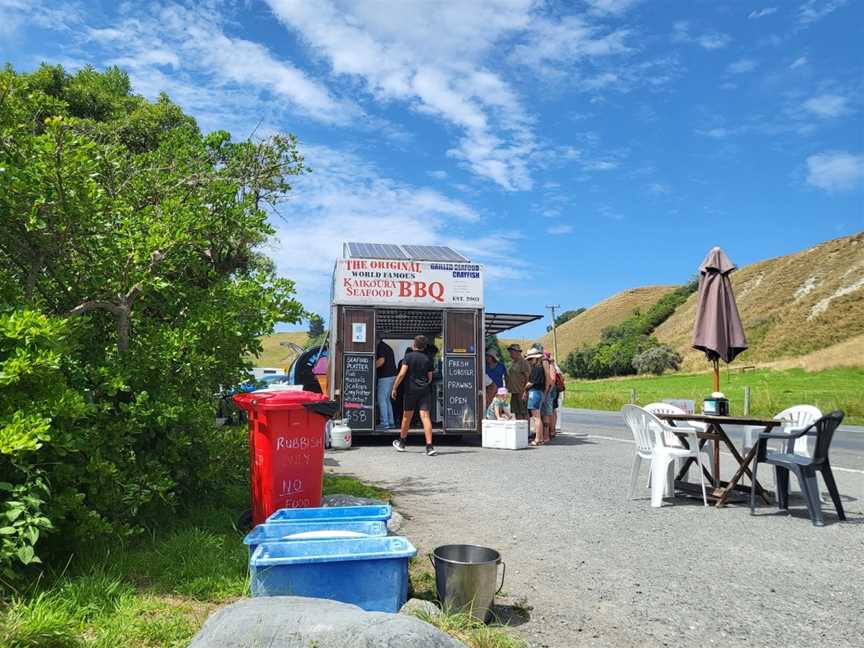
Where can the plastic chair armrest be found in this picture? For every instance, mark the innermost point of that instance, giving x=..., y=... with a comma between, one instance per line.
x=782, y=435
x=678, y=429
x=681, y=428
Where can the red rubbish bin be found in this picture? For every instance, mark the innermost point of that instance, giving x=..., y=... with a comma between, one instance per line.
x=286, y=448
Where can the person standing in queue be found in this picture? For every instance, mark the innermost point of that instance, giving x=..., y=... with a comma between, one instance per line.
x=416, y=372
x=385, y=367
x=517, y=378
x=495, y=369
x=537, y=393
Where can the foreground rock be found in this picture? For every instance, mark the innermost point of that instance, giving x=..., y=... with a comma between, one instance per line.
x=393, y=524
x=294, y=622
x=416, y=607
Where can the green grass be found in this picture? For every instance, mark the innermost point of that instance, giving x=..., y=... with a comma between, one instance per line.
x=345, y=485
x=770, y=391
x=464, y=627
x=472, y=632
x=155, y=591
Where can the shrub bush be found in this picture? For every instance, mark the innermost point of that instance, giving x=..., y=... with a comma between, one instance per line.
x=620, y=345
x=657, y=360
x=132, y=289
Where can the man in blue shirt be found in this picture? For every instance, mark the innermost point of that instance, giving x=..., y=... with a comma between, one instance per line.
x=495, y=369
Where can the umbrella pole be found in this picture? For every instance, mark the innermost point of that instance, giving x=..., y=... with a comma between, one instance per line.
x=716, y=381
x=716, y=387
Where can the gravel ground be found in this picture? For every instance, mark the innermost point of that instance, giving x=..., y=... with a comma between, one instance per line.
x=600, y=570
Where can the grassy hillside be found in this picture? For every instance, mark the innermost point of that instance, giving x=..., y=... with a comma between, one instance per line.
x=791, y=306
x=586, y=328
x=275, y=355
x=771, y=391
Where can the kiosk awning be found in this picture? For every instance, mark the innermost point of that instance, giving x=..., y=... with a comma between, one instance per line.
x=499, y=322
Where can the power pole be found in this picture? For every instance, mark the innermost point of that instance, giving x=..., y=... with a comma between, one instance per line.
x=552, y=308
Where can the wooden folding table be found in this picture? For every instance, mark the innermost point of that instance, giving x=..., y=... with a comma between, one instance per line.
x=714, y=432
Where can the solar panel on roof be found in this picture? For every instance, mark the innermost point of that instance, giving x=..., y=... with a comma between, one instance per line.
x=404, y=252
x=376, y=251
x=433, y=253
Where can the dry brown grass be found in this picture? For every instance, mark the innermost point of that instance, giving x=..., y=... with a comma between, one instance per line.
x=778, y=298
x=523, y=342
x=845, y=354
x=275, y=355
x=586, y=328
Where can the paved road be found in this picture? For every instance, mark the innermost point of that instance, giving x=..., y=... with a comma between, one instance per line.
x=599, y=569
x=847, y=449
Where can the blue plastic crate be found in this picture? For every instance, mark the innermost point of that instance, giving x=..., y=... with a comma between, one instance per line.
x=282, y=531
x=371, y=573
x=382, y=512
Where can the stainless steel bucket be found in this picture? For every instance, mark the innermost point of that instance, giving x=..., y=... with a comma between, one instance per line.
x=465, y=578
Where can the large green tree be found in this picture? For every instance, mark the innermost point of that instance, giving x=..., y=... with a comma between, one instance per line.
x=130, y=252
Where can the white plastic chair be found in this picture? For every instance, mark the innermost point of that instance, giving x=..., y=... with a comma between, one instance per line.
x=794, y=419
x=671, y=439
x=649, y=433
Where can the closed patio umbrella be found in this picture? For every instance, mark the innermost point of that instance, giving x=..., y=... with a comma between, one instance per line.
x=718, y=331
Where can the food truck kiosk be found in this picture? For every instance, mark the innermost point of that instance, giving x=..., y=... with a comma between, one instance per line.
x=393, y=293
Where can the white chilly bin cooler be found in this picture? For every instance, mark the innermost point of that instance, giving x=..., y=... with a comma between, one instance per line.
x=505, y=435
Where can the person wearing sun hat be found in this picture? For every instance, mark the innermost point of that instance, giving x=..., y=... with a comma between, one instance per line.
x=537, y=394
x=552, y=375
x=517, y=377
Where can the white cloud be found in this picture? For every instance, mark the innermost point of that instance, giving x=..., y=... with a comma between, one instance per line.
x=431, y=55
x=742, y=66
x=599, y=165
x=659, y=189
x=347, y=199
x=801, y=60
x=710, y=40
x=610, y=7
x=443, y=59
x=560, y=230
x=716, y=133
x=438, y=175
x=55, y=16
x=192, y=40
x=569, y=39
x=761, y=13
x=812, y=11
x=835, y=171
x=713, y=40
x=827, y=105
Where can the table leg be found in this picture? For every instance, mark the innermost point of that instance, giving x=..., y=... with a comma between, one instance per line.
x=716, y=478
x=743, y=468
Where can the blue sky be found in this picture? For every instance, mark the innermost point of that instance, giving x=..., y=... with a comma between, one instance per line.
x=577, y=149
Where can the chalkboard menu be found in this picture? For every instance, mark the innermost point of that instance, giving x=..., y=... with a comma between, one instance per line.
x=358, y=390
x=460, y=393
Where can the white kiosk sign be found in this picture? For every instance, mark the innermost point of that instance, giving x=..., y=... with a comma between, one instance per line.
x=408, y=283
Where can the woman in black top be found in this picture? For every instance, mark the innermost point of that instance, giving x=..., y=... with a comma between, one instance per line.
x=536, y=392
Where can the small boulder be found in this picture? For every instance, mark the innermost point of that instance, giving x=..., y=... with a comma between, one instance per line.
x=296, y=622
x=416, y=606
x=394, y=524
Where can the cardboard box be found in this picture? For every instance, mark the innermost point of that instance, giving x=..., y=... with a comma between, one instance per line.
x=505, y=435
